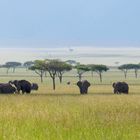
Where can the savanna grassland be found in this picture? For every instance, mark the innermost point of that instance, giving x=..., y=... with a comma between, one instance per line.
x=64, y=114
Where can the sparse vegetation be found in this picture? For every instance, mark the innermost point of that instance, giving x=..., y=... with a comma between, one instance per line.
x=81, y=69
x=11, y=65
x=127, y=67
x=99, y=69
x=39, y=68
x=65, y=114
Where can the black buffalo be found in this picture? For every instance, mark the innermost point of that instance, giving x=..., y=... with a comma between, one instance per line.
x=22, y=85
x=34, y=86
x=7, y=88
x=83, y=86
x=120, y=87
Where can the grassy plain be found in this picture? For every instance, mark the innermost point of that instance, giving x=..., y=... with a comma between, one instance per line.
x=64, y=114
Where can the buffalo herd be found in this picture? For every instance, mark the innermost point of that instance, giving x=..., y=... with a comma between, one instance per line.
x=24, y=86
x=119, y=87
x=17, y=86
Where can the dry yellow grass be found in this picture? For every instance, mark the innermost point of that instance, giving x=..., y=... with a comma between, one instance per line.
x=64, y=114
x=71, y=116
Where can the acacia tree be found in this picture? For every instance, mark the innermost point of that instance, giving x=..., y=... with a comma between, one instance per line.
x=63, y=67
x=136, y=68
x=92, y=68
x=81, y=69
x=52, y=66
x=124, y=68
x=127, y=67
x=6, y=66
x=28, y=64
x=99, y=69
x=39, y=68
x=12, y=65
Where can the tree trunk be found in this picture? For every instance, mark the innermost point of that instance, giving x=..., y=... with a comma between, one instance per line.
x=100, y=77
x=80, y=77
x=59, y=74
x=136, y=73
x=41, y=76
x=60, y=78
x=125, y=74
x=14, y=69
x=53, y=75
x=53, y=83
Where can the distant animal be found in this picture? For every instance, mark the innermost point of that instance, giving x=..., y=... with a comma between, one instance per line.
x=34, y=86
x=68, y=83
x=83, y=86
x=7, y=88
x=120, y=87
x=22, y=85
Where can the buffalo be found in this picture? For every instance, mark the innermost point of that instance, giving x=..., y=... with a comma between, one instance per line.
x=83, y=86
x=7, y=88
x=34, y=86
x=22, y=85
x=120, y=87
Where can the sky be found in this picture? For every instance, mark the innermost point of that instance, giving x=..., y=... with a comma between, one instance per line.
x=69, y=23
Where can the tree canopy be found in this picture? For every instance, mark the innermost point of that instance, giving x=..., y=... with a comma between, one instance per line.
x=28, y=64
x=81, y=69
x=127, y=67
x=63, y=67
x=99, y=69
x=13, y=65
x=53, y=66
x=39, y=68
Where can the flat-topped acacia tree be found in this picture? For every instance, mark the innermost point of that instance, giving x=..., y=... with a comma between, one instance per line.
x=81, y=69
x=127, y=67
x=99, y=69
x=136, y=68
x=124, y=68
x=62, y=68
x=28, y=64
x=55, y=67
x=12, y=65
x=39, y=68
x=92, y=68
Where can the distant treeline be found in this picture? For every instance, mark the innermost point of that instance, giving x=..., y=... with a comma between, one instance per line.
x=56, y=68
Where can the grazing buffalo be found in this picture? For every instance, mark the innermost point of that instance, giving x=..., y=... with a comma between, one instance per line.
x=6, y=88
x=120, y=87
x=34, y=86
x=22, y=85
x=83, y=86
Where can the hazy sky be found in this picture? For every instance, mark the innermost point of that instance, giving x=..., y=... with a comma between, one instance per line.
x=84, y=55
x=70, y=22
